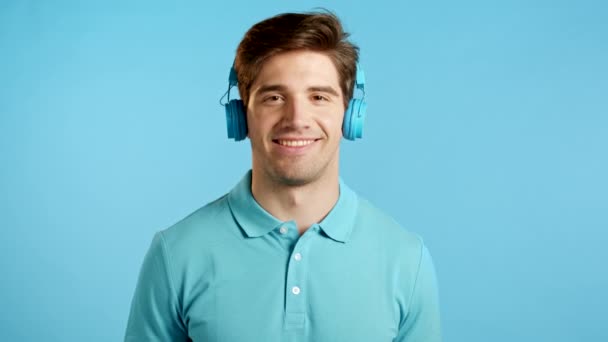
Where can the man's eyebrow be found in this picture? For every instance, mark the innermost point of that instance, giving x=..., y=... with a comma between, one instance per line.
x=270, y=88
x=324, y=89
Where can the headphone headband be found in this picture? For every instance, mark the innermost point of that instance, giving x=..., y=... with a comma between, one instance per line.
x=232, y=78
x=360, y=78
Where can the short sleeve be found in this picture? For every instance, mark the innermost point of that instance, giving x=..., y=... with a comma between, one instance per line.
x=155, y=314
x=422, y=323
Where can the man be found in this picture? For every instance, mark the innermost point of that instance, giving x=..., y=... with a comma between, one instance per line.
x=291, y=253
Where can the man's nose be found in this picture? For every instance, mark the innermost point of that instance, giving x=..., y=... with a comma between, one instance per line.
x=296, y=113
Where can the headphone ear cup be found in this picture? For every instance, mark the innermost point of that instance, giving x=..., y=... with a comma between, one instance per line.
x=229, y=119
x=354, y=117
x=242, y=123
x=236, y=122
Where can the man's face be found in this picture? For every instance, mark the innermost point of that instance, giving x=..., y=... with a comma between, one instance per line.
x=294, y=118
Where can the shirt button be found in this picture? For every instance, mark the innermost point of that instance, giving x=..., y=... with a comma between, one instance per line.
x=298, y=256
x=295, y=290
x=283, y=230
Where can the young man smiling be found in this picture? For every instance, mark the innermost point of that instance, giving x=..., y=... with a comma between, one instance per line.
x=294, y=115
x=291, y=253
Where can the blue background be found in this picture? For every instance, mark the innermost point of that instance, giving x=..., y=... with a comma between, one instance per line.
x=487, y=134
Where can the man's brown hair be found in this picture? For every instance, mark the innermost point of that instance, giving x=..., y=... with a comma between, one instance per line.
x=314, y=31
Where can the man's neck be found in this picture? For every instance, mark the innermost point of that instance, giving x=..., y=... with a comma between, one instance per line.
x=307, y=204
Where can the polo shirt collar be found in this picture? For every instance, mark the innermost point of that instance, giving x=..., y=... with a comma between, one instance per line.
x=256, y=221
x=338, y=224
x=252, y=218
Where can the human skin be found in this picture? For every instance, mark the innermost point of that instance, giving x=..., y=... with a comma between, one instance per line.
x=294, y=118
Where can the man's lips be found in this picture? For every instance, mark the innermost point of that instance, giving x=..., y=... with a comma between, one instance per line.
x=300, y=142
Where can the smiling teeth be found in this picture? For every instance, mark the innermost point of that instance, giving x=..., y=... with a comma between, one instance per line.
x=295, y=143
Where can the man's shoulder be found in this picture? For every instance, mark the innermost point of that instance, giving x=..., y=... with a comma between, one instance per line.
x=201, y=226
x=375, y=221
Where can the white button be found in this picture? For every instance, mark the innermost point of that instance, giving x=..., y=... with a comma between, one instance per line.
x=283, y=230
x=295, y=290
x=298, y=256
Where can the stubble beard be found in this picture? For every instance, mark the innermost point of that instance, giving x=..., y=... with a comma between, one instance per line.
x=296, y=171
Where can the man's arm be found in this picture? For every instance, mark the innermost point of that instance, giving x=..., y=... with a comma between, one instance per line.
x=155, y=314
x=422, y=324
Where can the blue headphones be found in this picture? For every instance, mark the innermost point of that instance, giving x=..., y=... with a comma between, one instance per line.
x=352, y=127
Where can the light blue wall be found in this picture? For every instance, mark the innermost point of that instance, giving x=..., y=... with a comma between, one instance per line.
x=487, y=134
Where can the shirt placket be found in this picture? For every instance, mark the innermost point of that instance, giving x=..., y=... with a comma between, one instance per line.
x=296, y=294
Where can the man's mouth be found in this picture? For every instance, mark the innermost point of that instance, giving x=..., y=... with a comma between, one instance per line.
x=294, y=143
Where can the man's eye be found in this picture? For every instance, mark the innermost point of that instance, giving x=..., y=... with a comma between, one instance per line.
x=272, y=98
x=319, y=98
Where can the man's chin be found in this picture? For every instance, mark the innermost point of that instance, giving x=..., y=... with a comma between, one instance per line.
x=295, y=182
x=295, y=178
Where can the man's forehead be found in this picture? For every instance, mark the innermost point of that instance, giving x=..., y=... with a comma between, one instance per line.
x=297, y=70
x=270, y=88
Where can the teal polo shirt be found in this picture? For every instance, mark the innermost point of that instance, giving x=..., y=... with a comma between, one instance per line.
x=232, y=272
